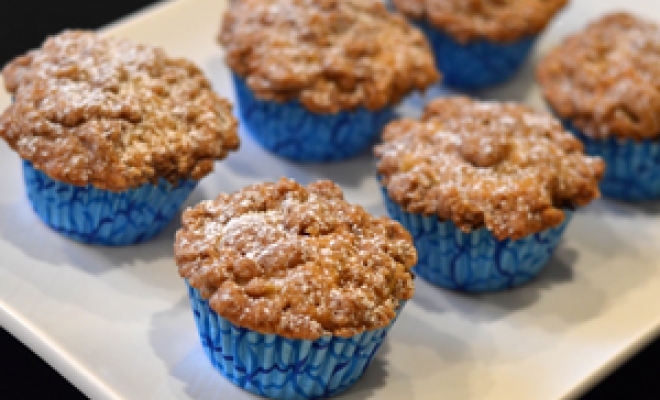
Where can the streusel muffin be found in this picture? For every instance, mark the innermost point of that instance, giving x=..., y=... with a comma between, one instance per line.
x=603, y=83
x=479, y=43
x=486, y=189
x=113, y=135
x=316, y=80
x=293, y=289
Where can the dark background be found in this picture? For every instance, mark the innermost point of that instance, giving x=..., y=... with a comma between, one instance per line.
x=23, y=375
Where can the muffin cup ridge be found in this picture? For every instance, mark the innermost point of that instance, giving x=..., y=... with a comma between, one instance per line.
x=478, y=63
x=291, y=131
x=475, y=261
x=276, y=367
x=95, y=216
x=632, y=171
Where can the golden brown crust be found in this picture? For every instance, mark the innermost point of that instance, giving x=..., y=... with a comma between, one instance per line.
x=296, y=261
x=331, y=55
x=606, y=79
x=117, y=115
x=496, y=20
x=498, y=165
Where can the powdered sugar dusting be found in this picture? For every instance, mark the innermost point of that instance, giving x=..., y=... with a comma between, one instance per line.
x=125, y=113
x=297, y=261
x=605, y=79
x=499, y=165
x=331, y=55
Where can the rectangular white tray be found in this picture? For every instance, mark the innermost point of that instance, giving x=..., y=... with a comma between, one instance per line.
x=116, y=321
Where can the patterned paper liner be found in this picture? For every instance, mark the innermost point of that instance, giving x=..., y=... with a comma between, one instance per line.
x=276, y=367
x=475, y=261
x=478, y=63
x=291, y=131
x=632, y=168
x=96, y=216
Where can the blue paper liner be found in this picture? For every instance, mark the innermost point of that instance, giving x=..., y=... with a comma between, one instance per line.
x=478, y=63
x=96, y=216
x=632, y=168
x=291, y=131
x=273, y=366
x=475, y=261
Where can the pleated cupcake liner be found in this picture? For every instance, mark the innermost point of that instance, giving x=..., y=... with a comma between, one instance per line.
x=293, y=132
x=94, y=216
x=280, y=368
x=478, y=63
x=632, y=168
x=475, y=261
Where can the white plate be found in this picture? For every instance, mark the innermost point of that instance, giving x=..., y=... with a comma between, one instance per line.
x=117, y=324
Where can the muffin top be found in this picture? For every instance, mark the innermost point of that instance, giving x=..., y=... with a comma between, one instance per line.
x=104, y=111
x=498, y=165
x=296, y=261
x=606, y=79
x=496, y=20
x=331, y=55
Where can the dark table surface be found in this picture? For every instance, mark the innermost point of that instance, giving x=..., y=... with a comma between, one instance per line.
x=23, y=375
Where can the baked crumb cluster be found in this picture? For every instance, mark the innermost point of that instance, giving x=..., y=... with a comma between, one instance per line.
x=497, y=20
x=296, y=261
x=498, y=165
x=331, y=55
x=104, y=111
x=606, y=79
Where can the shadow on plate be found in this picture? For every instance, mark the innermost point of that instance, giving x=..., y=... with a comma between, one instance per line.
x=518, y=89
x=375, y=377
x=651, y=208
x=644, y=208
x=254, y=164
x=557, y=271
x=22, y=229
x=557, y=276
x=420, y=352
x=52, y=248
x=348, y=173
x=173, y=337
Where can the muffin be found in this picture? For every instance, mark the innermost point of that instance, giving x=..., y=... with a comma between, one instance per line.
x=293, y=289
x=113, y=135
x=486, y=189
x=604, y=85
x=479, y=43
x=316, y=80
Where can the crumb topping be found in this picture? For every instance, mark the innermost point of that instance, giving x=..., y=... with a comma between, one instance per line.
x=105, y=111
x=606, y=79
x=296, y=261
x=498, y=165
x=331, y=55
x=497, y=20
